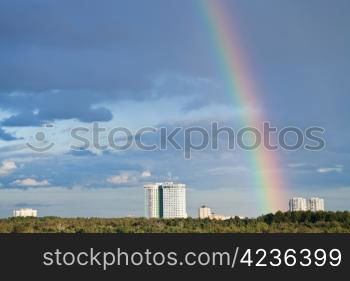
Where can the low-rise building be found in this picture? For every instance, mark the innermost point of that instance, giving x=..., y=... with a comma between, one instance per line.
x=25, y=212
x=204, y=212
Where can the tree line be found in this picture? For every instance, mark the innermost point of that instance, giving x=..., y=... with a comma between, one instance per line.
x=279, y=222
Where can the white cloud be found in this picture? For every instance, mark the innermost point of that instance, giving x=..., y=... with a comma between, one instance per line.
x=123, y=178
x=7, y=167
x=129, y=177
x=31, y=182
x=337, y=169
x=146, y=174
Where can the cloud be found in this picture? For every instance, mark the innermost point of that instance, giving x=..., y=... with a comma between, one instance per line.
x=146, y=174
x=22, y=120
x=82, y=152
x=6, y=136
x=35, y=109
x=123, y=178
x=336, y=169
x=12, y=148
x=7, y=167
x=129, y=177
x=31, y=182
x=47, y=68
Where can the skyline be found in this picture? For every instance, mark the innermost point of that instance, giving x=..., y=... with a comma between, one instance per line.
x=173, y=205
x=156, y=66
x=151, y=211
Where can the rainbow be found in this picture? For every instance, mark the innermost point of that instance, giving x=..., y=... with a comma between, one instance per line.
x=265, y=164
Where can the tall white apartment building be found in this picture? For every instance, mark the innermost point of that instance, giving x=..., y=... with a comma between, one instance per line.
x=165, y=200
x=315, y=204
x=152, y=202
x=297, y=204
x=174, y=200
x=25, y=213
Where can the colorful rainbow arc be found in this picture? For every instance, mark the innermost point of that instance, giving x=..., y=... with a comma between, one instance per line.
x=265, y=164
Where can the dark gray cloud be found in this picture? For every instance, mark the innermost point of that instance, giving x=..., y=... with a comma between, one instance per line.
x=84, y=45
x=43, y=24
x=92, y=53
x=22, y=119
x=34, y=109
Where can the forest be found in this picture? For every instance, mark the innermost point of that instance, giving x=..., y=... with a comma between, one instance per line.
x=279, y=222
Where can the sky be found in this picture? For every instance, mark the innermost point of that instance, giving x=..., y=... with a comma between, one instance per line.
x=133, y=64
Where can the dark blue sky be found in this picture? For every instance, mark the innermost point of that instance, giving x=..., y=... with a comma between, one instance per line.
x=146, y=63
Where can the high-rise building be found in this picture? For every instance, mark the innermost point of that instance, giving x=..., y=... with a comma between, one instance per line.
x=297, y=204
x=204, y=212
x=152, y=202
x=165, y=200
x=315, y=204
x=25, y=213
